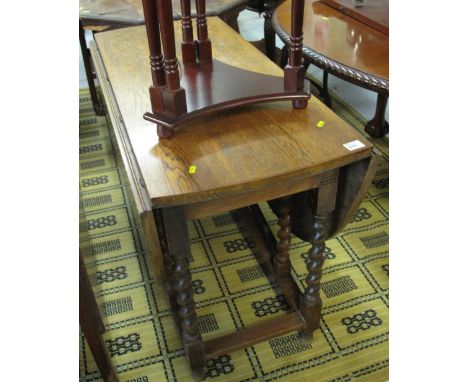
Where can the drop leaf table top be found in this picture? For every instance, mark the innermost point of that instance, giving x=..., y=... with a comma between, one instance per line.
x=236, y=151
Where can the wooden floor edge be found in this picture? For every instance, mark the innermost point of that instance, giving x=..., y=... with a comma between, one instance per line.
x=250, y=336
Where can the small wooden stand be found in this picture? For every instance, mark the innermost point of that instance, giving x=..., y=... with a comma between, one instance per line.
x=204, y=84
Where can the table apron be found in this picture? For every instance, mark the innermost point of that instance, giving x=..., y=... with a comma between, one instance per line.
x=271, y=191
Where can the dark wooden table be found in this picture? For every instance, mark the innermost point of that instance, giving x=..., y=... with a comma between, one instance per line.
x=100, y=15
x=228, y=161
x=345, y=47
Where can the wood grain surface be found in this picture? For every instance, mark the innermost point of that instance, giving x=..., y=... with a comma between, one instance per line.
x=132, y=10
x=129, y=10
x=373, y=13
x=339, y=37
x=236, y=151
x=131, y=175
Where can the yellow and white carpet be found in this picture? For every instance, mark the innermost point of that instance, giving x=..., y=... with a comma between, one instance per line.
x=231, y=290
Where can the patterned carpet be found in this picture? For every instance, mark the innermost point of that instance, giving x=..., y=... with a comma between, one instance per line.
x=231, y=290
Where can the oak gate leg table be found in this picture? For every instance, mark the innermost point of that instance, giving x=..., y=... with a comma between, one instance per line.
x=229, y=161
x=100, y=15
x=343, y=46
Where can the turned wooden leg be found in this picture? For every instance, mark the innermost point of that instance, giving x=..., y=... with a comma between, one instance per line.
x=189, y=47
x=176, y=232
x=98, y=108
x=168, y=267
x=294, y=72
x=204, y=44
x=282, y=263
x=92, y=326
x=324, y=91
x=170, y=286
x=377, y=127
x=173, y=95
x=156, y=57
x=311, y=303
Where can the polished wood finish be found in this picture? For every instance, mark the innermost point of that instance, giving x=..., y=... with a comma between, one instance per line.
x=189, y=47
x=164, y=22
x=104, y=14
x=219, y=86
x=173, y=102
x=204, y=43
x=254, y=154
x=156, y=57
x=373, y=13
x=339, y=37
x=100, y=15
x=294, y=71
x=290, y=146
x=377, y=127
x=210, y=85
x=343, y=46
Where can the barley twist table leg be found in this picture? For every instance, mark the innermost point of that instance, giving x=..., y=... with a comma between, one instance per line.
x=177, y=239
x=282, y=263
x=377, y=127
x=311, y=304
x=168, y=264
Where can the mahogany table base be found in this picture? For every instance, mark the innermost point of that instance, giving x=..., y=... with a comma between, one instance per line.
x=354, y=72
x=305, y=308
x=377, y=127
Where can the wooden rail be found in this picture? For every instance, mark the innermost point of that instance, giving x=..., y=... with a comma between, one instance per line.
x=243, y=338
